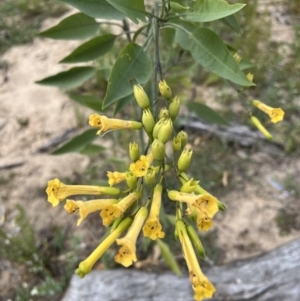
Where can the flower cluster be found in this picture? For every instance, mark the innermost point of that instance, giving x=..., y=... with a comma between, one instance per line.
x=137, y=208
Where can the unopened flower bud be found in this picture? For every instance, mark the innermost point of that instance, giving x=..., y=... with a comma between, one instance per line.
x=250, y=76
x=261, y=128
x=165, y=131
x=158, y=150
x=141, y=96
x=157, y=127
x=174, y=107
x=237, y=58
x=131, y=180
x=183, y=136
x=164, y=90
x=148, y=122
x=176, y=144
x=221, y=206
x=134, y=152
x=196, y=241
x=184, y=160
x=189, y=186
x=164, y=113
x=149, y=177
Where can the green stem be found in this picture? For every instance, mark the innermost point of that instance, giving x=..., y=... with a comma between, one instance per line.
x=126, y=29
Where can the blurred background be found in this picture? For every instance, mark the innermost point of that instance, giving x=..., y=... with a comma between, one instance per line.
x=258, y=181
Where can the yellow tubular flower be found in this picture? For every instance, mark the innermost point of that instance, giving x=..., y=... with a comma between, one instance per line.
x=127, y=253
x=86, y=265
x=109, y=124
x=275, y=114
x=115, y=177
x=139, y=168
x=152, y=227
x=204, y=223
x=261, y=128
x=111, y=212
x=202, y=287
x=58, y=191
x=85, y=208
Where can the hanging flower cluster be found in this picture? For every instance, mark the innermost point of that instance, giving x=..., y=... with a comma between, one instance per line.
x=137, y=209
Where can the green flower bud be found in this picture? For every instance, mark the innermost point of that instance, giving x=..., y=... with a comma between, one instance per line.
x=148, y=122
x=131, y=180
x=221, y=205
x=196, y=241
x=149, y=177
x=141, y=96
x=134, y=152
x=189, y=186
x=184, y=160
x=164, y=90
x=158, y=150
x=164, y=113
x=157, y=127
x=176, y=144
x=174, y=107
x=183, y=136
x=165, y=132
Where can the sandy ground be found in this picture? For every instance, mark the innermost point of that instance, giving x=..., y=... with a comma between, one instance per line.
x=247, y=228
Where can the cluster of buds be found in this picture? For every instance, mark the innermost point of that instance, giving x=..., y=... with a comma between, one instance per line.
x=135, y=206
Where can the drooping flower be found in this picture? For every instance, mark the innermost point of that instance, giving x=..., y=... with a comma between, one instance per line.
x=86, y=265
x=261, y=128
x=85, y=208
x=204, y=223
x=109, y=124
x=58, y=191
x=127, y=253
x=139, y=168
x=202, y=287
x=115, y=177
x=111, y=212
x=275, y=114
x=153, y=227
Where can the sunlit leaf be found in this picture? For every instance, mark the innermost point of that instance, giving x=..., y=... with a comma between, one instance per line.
x=91, y=49
x=69, y=79
x=89, y=101
x=131, y=67
x=232, y=22
x=75, y=27
x=177, y=8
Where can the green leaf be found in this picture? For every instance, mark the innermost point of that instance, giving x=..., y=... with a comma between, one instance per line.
x=232, y=22
x=77, y=143
x=245, y=64
x=177, y=8
x=122, y=103
x=206, y=113
x=75, y=27
x=133, y=9
x=92, y=149
x=68, y=79
x=168, y=256
x=209, y=51
x=96, y=9
x=89, y=101
x=91, y=49
x=210, y=10
x=132, y=66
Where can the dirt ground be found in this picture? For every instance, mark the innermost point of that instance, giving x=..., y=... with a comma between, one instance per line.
x=32, y=115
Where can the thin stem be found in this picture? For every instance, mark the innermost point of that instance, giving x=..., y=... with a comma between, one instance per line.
x=111, y=23
x=126, y=29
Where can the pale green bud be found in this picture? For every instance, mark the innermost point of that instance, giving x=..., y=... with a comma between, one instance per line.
x=134, y=152
x=165, y=132
x=141, y=96
x=183, y=136
x=195, y=240
x=164, y=113
x=189, y=186
x=131, y=180
x=184, y=160
x=174, y=107
x=221, y=206
x=157, y=127
x=149, y=177
x=148, y=122
x=176, y=144
x=164, y=90
x=158, y=150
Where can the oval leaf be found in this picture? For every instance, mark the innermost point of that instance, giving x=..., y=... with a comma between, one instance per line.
x=91, y=49
x=68, y=79
x=89, y=101
x=75, y=27
x=232, y=22
x=209, y=51
x=132, y=66
x=133, y=9
x=210, y=10
x=206, y=113
x=92, y=149
x=96, y=9
x=77, y=143
x=122, y=103
x=177, y=8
